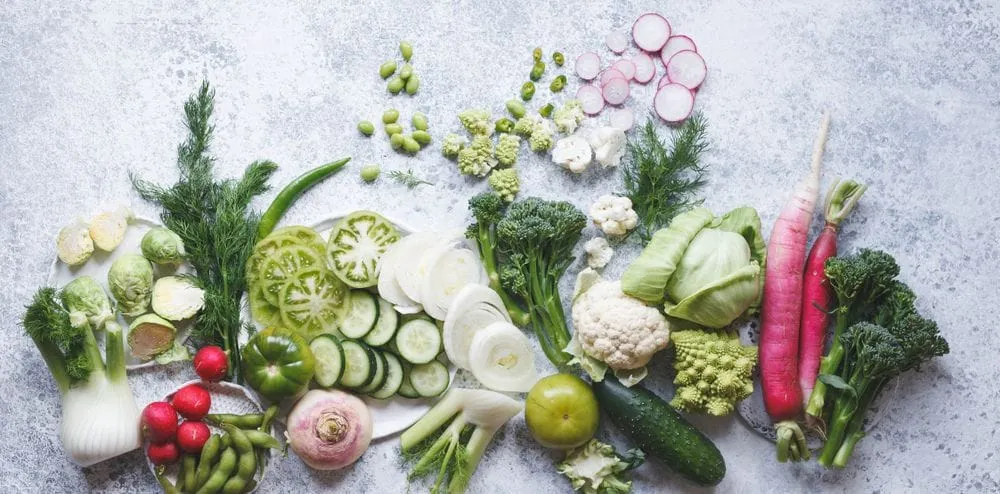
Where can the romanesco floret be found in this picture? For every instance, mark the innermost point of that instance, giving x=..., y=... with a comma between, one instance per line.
x=595, y=468
x=507, y=148
x=541, y=139
x=506, y=183
x=452, y=144
x=713, y=371
x=477, y=158
x=477, y=122
x=568, y=117
x=525, y=126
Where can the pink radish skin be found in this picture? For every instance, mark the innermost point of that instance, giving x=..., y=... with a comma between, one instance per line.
x=591, y=99
x=588, y=66
x=626, y=67
x=687, y=68
x=645, y=70
x=616, y=41
x=673, y=103
x=663, y=81
x=622, y=118
x=650, y=32
x=781, y=310
x=609, y=74
x=674, y=45
x=616, y=91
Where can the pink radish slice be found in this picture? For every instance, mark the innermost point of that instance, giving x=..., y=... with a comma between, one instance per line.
x=609, y=74
x=644, y=68
x=663, y=81
x=676, y=44
x=588, y=65
x=622, y=118
x=615, y=91
x=616, y=41
x=687, y=67
x=673, y=102
x=626, y=67
x=590, y=98
x=651, y=31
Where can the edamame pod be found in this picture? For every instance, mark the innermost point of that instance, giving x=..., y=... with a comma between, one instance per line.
x=189, y=467
x=528, y=90
x=209, y=452
x=387, y=69
x=261, y=439
x=246, y=421
x=395, y=85
x=220, y=474
x=168, y=488
x=269, y=415
x=419, y=121
x=412, y=85
x=245, y=469
x=240, y=440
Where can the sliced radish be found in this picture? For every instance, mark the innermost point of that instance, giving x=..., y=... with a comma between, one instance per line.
x=687, y=67
x=622, y=118
x=591, y=99
x=609, y=74
x=651, y=31
x=673, y=102
x=588, y=65
x=676, y=44
x=644, y=68
x=616, y=41
x=663, y=81
x=615, y=91
x=626, y=67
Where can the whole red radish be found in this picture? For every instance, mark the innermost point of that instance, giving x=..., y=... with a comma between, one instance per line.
x=163, y=453
x=159, y=421
x=211, y=363
x=192, y=401
x=191, y=436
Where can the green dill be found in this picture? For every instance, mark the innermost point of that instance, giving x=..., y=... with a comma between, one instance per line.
x=408, y=178
x=214, y=220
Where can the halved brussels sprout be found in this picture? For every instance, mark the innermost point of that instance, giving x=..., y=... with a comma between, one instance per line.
x=74, y=245
x=176, y=298
x=107, y=229
x=150, y=335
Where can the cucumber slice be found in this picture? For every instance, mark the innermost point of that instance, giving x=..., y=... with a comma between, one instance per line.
x=430, y=379
x=282, y=265
x=329, y=360
x=393, y=377
x=313, y=302
x=380, y=373
x=418, y=341
x=363, y=313
x=261, y=310
x=359, y=368
x=356, y=244
x=406, y=389
x=385, y=325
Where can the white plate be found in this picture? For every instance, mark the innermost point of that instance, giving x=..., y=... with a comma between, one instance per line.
x=97, y=267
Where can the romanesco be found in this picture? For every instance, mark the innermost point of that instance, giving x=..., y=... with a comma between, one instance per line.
x=525, y=126
x=477, y=158
x=713, y=371
x=477, y=122
x=452, y=144
x=541, y=139
x=506, y=183
x=595, y=468
x=568, y=117
x=507, y=148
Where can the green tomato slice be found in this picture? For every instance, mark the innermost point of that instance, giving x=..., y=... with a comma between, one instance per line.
x=356, y=244
x=262, y=311
x=313, y=302
x=282, y=237
x=283, y=265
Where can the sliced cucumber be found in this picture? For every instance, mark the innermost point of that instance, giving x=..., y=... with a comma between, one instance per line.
x=282, y=265
x=313, y=302
x=380, y=373
x=393, y=377
x=356, y=244
x=406, y=389
x=430, y=379
x=385, y=325
x=418, y=341
x=359, y=368
x=361, y=316
x=329, y=360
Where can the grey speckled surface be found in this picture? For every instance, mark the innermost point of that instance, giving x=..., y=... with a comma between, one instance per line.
x=91, y=90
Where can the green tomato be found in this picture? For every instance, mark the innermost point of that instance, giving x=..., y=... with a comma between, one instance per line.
x=561, y=411
x=278, y=363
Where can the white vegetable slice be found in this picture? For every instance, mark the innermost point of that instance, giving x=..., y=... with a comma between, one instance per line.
x=502, y=359
x=590, y=98
x=75, y=246
x=663, y=81
x=651, y=31
x=622, y=118
x=474, y=308
x=611, y=73
x=388, y=285
x=687, y=68
x=414, y=260
x=449, y=272
x=175, y=298
x=616, y=41
x=626, y=67
x=616, y=91
x=645, y=70
x=588, y=65
x=674, y=45
x=673, y=102
x=107, y=229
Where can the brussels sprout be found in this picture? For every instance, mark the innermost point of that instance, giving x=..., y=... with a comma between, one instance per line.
x=162, y=246
x=131, y=281
x=150, y=335
x=176, y=298
x=107, y=229
x=84, y=295
x=74, y=244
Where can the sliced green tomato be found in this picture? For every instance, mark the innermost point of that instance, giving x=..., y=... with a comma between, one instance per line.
x=303, y=234
x=329, y=360
x=262, y=311
x=282, y=237
x=356, y=244
x=283, y=265
x=313, y=302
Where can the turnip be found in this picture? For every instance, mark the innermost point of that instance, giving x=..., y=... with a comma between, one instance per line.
x=673, y=102
x=192, y=401
x=591, y=99
x=329, y=430
x=159, y=421
x=687, y=68
x=626, y=67
x=616, y=91
x=588, y=66
x=651, y=31
x=674, y=45
x=616, y=41
x=645, y=70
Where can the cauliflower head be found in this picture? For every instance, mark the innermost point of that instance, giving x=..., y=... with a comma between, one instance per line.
x=452, y=145
x=614, y=215
x=506, y=183
x=572, y=153
x=477, y=158
x=568, y=117
x=713, y=371
x=609, y=146
x=478, y=122
x=525, y=126
x=541, y=139
x=617, y=329
x=599, y=252
x=507, y=148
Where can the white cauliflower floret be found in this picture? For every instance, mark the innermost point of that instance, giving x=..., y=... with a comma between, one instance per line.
x=616, y=329
x=572, y=153
x=599, y=252
x=609, y=146
x=614, y=215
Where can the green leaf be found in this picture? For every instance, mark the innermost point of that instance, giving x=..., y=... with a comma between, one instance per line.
x=838, y=383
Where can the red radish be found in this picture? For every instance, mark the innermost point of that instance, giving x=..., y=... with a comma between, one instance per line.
x=159, y=421
x=651, y=31
x=192, y=401
x=163, y=453
x=663, y=81
x=673, y=102
x=644, y=68
x=622, y=118
x=609, y=74
x=781, y=310
x=211, y=363
x=191, y=436
x=615, y=91
x=591, y=99
x=687, y=67
x=616, y=41
x=626, y=67
x=817, y=298
x=588, y=66
x=674, y=45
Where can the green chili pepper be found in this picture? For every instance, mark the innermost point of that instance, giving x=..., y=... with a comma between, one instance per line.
x=527, y=90
x=387, y=69
x=546, y=110
x=292, y=191
x=557, y=84
x=558, y=58
x=536, y=71
x=395, y=85
x=504, y=125
x=516, y=108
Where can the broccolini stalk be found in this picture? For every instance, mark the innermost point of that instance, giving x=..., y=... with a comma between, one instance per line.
x=488, y=209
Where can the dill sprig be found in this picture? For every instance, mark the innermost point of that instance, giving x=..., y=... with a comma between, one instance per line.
x=408, y=178
x=214, y=221
x=661, y=180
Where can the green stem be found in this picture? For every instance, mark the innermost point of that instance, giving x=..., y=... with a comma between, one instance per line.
x=828, y=365
x=847, y=449
x=519, y=317
x=93, y=351
x=478, y=441
x=791, y=442
x=114, y=351
x=443, y=471
x=53, y=358
x=840, y=420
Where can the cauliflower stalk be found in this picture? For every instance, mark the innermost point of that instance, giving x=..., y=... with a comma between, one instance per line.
x=713, y=371
x=568, y=117
x=599, y=252
x=541, y=139
x=452, y=145
x=506, y=183
x=507, y=148
x=595, y=468
x=614, y=215
x=572, y=153
x=477, y=122
x=477, y=158
x=609, y=146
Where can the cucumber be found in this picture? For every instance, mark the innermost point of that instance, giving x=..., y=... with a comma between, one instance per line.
x=362, y=313
x=380, y=373
x=430, y=379
x=385, y=325
x=393, y=378
x=418, y=341
x=405, y=388
x=657, y=429
x=329, y=360
x=359, y=368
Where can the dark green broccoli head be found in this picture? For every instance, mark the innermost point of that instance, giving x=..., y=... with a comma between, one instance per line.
x=920, y=340
x=860, y=281
x=877, y=354
x=897, y=303
x=487, y=207
x=545, y=225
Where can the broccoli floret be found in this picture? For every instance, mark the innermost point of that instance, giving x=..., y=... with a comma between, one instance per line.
x=541, y=139
x=595, y=468
x=477, y=122
x=568, y=117
x=506, y=183
x=452, y=145
x=525, y=126
x=713, y=371
x=477, y=158
x=507, y=148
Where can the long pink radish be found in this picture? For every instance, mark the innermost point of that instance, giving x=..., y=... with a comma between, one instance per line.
x=817, y=298
x=616, y=41
x=645, y=70
x=590, y=98
x=781, y=310
x=588, y=66
x=673, y=103
x=616, y=91
x=626, y=67
x=609, y=74
x=675, y=44
x=687, y=68
x=650, y=31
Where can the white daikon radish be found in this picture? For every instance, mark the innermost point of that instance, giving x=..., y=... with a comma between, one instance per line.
x=502, y=359
x=474, y=308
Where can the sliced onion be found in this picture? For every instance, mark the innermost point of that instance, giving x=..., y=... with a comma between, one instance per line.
x=474, y=308
x=413, y=262
x=450, y=271
x=502, y=359
x=388, y=285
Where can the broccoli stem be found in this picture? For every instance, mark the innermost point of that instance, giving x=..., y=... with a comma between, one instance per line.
x=485, y=240
x=847, y=449
x=828, y=365
x=847, y=424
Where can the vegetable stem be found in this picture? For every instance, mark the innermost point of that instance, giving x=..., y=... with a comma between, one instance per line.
x=114, y=350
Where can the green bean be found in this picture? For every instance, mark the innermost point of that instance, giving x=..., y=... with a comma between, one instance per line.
x=546, y=110
x=209, y=453
x=557, y=84
x=269, y=415
x=406, y=72
x=265, y=427
x=537, y=70
x=168, y=488
x=242, y=421
x=395, y=85
x=393, y=128
x=419, y=121
x=261, y=439
x=245, y=470
x=389, y=116
x=189, y=466
x=365, y=127
x=536, y=54
x=369, y=173
x=412, y=85
x=406, y=49
x=516, y=108
x=220, y=474
x=558, y=58
x=527, y=90
x=410, y=145
x=504, y=125
x=396, y=141
x=387, y=69
x=422, y=137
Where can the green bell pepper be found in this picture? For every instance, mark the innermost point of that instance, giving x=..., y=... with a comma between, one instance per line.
x=277, y=363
